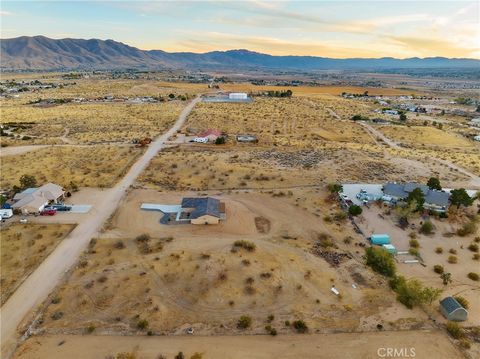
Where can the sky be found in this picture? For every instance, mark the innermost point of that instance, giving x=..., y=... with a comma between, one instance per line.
x=339, y=29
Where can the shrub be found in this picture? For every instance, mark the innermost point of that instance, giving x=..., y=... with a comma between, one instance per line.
x=452, y=259
x=381, y=261
x=125, y=355
x=465, y=343
x=249, y=246
x=91, y=328
x=142, y=324
x=340, y=216
x=142, y=238
x=463, y=301
x=476, y=257
x=270, y=330
x=467, y=229
x=473, y=247
x=437, y=268
x=56, y=299
x=179, y=356
x=439, y=250
x=300, y=326
x=455, y=330
x=473, y=276
x=56, y=315
x=412, y=292
x=414, y=243
x=197, y=355
x=426, y=228
x=354, y=210
x=119, y=245
x=452, y=251
x=244, y=322
x=414, y=252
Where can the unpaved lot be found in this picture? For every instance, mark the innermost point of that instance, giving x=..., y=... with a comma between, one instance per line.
x=425, y=345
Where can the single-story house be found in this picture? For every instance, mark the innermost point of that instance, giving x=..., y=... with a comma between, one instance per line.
x=434, y=200
x=34, y=200
x=210, y=134
x=202, y=210
x=453, y=310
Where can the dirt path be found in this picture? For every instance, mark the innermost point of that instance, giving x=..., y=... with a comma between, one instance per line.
x=19, y=150
x=65, y=139
x=474, y=179
x=423, y=344
x=41, y=282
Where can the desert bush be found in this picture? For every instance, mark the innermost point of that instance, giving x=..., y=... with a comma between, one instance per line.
x=465, y=343
x=473, y=247
x=354, y=210
x=452, y=251
x=452, y=259
x=56, y=299
x=381, y=261
x=248, y=246
x=56, y=315
x=270, y=330
x=476, y=257
x=473, y=276
x=179, y=356
x=125, y=355
x=467, y=229
x=463, y=301
x=437, y=268
x=439, y=250
x=455, y=330
x=300, y=326
x=339, y=216
x=142, y=324
x=244, y=322
x=414, y=243
x=414, y=252
x=119, y=245
x=91, y=328
x=142, y=238
x=412, y=292
x=426, y=228
x=197, y=355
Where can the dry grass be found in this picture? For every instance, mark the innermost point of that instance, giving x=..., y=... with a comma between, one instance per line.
x=23, y=248
x=93, y=123
x=295, y=122
x=90, y=166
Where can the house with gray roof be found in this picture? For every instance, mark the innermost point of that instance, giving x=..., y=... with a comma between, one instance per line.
x=434, y=200
x=202, y=210
x=453, y=310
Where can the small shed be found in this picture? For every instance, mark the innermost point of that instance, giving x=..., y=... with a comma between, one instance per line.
x=380, y=239
x=453, y=310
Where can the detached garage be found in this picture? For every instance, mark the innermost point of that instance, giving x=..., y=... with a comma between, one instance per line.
x=453, y=310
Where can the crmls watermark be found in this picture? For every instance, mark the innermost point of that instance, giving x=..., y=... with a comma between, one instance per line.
x=396, y=352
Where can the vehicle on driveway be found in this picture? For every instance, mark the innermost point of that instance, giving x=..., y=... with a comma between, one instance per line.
x=59, y=207
x=48, y=212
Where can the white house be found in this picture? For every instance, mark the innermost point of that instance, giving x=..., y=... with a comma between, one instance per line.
x=237, y=96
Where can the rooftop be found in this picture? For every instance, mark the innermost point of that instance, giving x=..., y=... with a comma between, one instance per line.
x=450, y=304
x=202, y=206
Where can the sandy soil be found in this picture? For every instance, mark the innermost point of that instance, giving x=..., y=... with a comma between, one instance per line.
x=43, y=280
x=18, y=150
x=370, y=222
x=425, y=344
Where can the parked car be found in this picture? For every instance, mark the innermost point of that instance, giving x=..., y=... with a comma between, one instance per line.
x=59, y=207
x=48, y=212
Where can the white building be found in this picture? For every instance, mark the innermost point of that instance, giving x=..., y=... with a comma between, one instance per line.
x=237, y=96
x=475, y=122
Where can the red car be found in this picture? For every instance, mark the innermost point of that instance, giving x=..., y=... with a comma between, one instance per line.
x=48, y=212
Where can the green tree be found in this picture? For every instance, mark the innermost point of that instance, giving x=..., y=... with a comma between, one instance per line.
x=460, y=197
x=220, y=140
x=402, y=117
x=3, y=199
x=411, y=292
x=381, y=261
x=354, y=210
x=289, y=93
x=417, y=197
x=430, y=294
x=434, y=183
x=357, y=118
x=335, y=188
x=27, y=181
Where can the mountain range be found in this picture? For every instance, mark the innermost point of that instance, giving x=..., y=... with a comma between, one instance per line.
x=43, y=53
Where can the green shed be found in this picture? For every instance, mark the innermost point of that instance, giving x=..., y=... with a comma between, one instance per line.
x=380, y=239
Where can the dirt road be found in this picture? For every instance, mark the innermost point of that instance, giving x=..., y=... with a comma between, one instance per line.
x=474, y=181
x=41, y=282
x=419, y=344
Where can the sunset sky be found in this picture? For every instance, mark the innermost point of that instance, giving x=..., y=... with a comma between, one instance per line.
x=338, y=29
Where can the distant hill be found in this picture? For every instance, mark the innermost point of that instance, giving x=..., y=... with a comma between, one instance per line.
x=43, y=53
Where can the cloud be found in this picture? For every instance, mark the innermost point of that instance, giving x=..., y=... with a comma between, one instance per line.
x=5, y=13
x=423, y=46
